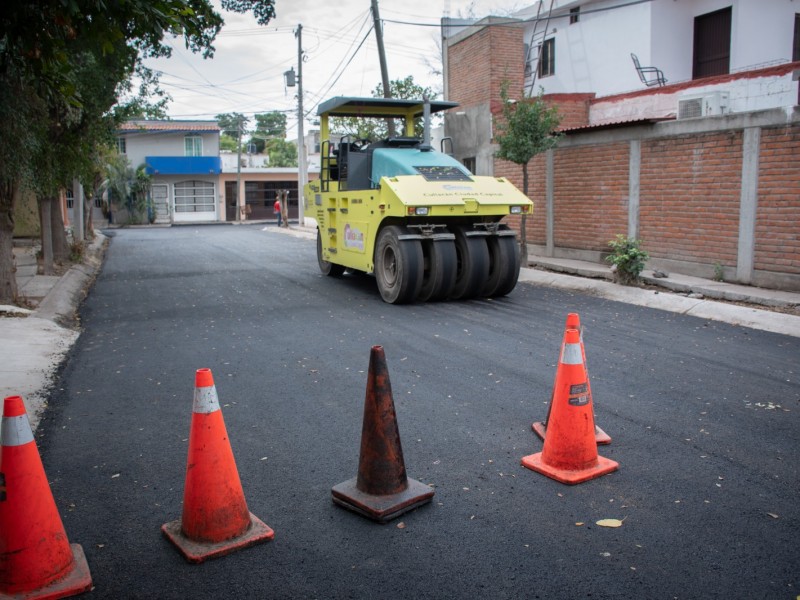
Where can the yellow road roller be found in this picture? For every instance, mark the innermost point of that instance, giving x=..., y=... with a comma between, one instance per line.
x=415, y=217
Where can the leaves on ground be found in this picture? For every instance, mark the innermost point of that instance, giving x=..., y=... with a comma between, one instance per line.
x=609, y=523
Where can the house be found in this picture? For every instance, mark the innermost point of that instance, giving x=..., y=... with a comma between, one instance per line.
x=681, y=127
x=183, y=159
x=193, y=182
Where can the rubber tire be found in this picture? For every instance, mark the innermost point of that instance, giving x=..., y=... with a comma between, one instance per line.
x=503, y=266
x=398, y=266
x=472, y=260
x=328, y=268
x=439, y=273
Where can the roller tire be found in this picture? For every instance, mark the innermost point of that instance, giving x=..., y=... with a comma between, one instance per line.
x=503, y=266
x=439, y=273
x=328, y=268
x=472, y=270
x=398, y=266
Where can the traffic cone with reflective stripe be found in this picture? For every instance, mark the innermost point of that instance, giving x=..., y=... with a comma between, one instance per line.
x=540, y=427
x=36, y=560
x=381, y=491
x=570, y=451
x=215, y=518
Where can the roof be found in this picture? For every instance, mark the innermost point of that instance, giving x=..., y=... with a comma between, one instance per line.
x=348, y=106
x=187, y=126
x=620, y=123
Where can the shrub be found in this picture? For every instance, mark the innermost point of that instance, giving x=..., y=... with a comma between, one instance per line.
x=627, y=259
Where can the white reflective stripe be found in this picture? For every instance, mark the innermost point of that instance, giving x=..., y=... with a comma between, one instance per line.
x=572, y=355
x=205, y=400
x=16, y=431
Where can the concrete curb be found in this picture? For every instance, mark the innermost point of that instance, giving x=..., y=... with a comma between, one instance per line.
x=61, y=303
x=704, y=309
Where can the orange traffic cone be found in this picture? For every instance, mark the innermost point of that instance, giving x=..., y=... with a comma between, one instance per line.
x=36, y=560
x=215, y=518
x=570, y=451
x=381, y=491
x=540, y=427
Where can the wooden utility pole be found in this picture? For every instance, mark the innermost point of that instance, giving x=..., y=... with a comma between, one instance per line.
x=387, y=91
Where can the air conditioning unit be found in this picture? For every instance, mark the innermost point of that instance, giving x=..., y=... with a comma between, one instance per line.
x=706, y=105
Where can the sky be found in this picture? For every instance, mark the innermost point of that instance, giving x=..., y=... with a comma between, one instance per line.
x=341, y=55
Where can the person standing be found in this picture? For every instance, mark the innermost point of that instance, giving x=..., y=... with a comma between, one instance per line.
x=277, y=209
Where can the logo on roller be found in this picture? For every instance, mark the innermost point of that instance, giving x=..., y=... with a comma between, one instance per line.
x=353, y=238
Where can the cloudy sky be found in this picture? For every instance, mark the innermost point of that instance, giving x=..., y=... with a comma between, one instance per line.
x=246, y=73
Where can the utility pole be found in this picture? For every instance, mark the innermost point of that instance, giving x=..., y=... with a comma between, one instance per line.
x=302, y=174
x=239, y=205
x=387, y=92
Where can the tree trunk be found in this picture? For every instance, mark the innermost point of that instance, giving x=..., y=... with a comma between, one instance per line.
x=8, y=278
x=88, y=226
x=523, y=235
x=45, y=208
x=57, y=230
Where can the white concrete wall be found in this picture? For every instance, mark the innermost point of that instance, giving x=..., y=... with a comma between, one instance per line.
x=140, y=144
x=593, y=55
x=745, y=94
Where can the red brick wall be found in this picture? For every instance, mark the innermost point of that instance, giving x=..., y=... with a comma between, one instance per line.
x=689, y=197
x=478, y=65
x=778, y=215
x=591, y=184
x=536, y=223
x=572, y=108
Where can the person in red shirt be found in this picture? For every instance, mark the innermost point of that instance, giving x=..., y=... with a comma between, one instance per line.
x=277, y=210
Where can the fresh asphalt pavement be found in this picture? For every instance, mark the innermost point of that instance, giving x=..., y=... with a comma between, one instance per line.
x=704, y=419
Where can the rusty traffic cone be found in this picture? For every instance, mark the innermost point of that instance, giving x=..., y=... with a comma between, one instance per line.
x=36, y=560
x=215, y=518
x=381, y=491
x=570, y=451
x=540, y=427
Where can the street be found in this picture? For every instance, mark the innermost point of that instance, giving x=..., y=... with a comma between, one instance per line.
x=704, y=419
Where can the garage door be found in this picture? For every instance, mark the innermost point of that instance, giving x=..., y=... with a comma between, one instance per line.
x=195, y=201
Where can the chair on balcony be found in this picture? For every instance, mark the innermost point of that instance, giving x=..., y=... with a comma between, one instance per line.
x=650, y=76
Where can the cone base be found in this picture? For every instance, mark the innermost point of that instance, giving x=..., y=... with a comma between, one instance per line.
x=382, y=508
x=77, y=581
x=197, y=552
x=603, y=466
x=600, y=436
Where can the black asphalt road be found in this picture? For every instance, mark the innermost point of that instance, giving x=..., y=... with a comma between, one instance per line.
x=705, y=421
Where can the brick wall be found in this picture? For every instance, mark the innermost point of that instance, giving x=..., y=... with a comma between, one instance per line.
x=591, y=184
x=536, y=223
x=778, y=214
x=572, y=108
x=478, y=65
x=689, y=197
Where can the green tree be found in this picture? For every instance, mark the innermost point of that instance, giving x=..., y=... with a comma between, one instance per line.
x=54, y=57
x=526, y=129
x=376, y=129
x=281, y=153
x=233, y=124
x=268, y=126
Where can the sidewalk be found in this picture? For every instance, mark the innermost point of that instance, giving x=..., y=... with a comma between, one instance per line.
x=35, y=341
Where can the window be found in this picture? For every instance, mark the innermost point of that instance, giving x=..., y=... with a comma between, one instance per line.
x=574, y=15
x=712, y=44
x=796, y=48
x=193, y=145
x=547, y=58
x=469, y=163
x=121, y=145
x=70, y=198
